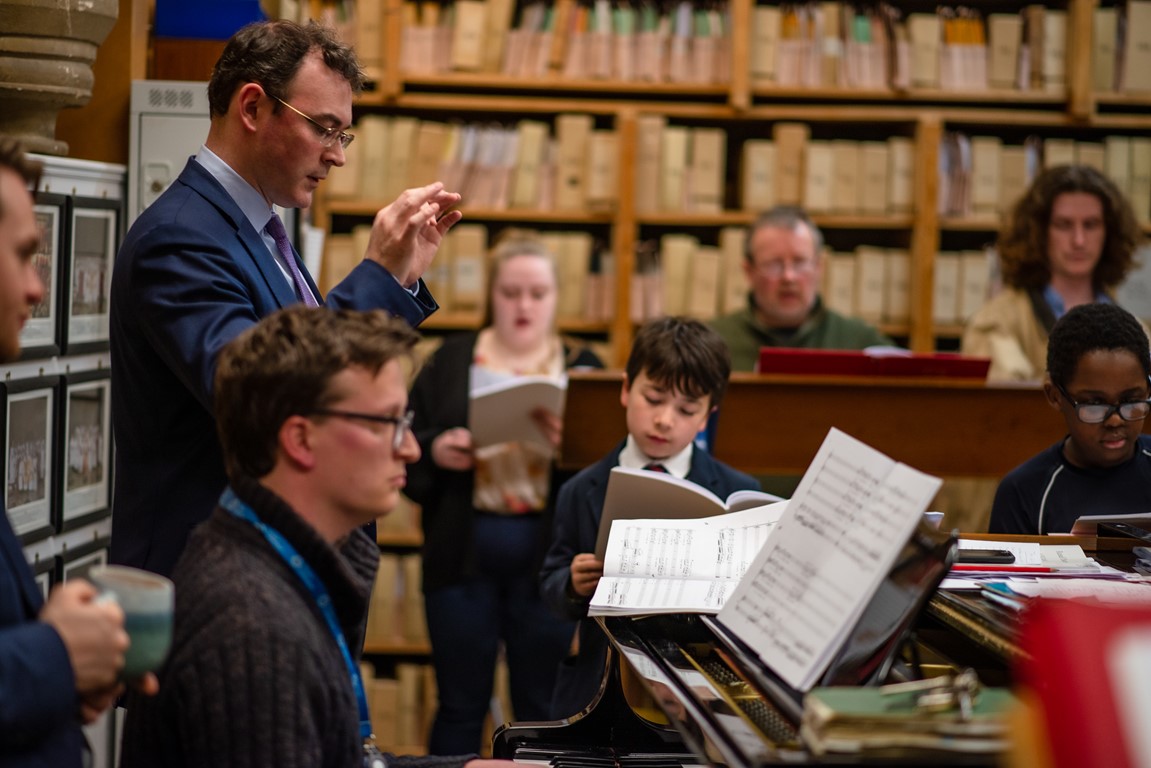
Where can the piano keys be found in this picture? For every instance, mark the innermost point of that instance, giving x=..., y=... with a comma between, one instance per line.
x=682, y=690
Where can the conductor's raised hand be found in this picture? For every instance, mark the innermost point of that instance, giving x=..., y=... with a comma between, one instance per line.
x=406, y=234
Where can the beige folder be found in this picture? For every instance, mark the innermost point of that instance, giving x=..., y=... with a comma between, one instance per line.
x=790, y=148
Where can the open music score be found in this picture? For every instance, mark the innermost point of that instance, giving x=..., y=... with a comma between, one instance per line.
x=680, y=566
x=850, y=516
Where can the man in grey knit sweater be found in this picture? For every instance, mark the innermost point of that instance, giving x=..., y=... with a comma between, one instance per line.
x=272, y=591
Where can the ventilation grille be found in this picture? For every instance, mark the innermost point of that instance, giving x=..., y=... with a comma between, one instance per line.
x=170, y=97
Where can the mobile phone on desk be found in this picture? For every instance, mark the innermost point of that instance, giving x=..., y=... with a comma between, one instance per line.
x=987, y=556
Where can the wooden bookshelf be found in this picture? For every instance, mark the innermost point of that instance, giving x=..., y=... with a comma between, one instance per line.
x=747, y=107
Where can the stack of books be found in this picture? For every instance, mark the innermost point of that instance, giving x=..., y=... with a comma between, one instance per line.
x=858, y=720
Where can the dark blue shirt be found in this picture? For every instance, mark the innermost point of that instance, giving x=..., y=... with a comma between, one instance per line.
x=1046, y=494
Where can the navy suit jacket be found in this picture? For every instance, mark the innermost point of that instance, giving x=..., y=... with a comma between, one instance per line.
x=577, y=516
x=191, y=275
x=39, y=708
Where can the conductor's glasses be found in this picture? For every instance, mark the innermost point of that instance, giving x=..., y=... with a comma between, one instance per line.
x=328, y=136
x=402, y=423
x=1097, y=413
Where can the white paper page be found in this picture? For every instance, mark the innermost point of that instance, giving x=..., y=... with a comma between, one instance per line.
x=501, y=412
x=711, y=547
x=1026, y=553
x=1088, y=525
x=960, y=584
x=640, y=494
x=616, y=595
x=853, y=511
x=662, y=566
x=1107, y=591
x=1065, y=556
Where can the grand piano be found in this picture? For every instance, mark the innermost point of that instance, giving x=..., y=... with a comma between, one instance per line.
x=682, y=690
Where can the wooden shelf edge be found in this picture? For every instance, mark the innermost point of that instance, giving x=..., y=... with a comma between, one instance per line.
x=470, y=321
x=969, y=224
x=744, y=218
x=361, y=207
x=557, y=83
x=397, y=648
x=909, y=96
x=413, y=539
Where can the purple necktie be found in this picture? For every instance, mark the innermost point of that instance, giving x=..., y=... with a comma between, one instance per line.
x=275, y=228
x=653, y=467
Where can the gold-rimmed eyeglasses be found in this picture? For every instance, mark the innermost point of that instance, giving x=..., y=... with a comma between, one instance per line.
x=328, y=136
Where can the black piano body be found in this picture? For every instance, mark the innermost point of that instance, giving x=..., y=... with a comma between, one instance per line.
x=679, y=689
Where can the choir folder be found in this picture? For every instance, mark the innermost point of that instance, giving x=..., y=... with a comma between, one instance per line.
x=875, y=361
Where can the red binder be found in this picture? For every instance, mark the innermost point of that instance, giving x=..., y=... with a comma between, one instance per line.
x=1077, y=657
x=885, y=362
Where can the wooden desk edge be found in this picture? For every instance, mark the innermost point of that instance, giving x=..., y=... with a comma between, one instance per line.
x=1088, y=543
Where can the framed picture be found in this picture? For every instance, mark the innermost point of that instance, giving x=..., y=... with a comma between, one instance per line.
x=41, y=334
x=94, y=229
x=29, y=421
x=44, y=571
x=85, y=455
x=76, y=562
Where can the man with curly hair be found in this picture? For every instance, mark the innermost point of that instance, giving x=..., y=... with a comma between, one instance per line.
x=1099, y=379
x=1069, y=240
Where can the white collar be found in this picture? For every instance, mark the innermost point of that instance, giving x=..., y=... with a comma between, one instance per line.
x=631, y=457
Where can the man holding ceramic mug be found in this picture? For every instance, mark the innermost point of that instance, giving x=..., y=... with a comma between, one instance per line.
x=60, y=660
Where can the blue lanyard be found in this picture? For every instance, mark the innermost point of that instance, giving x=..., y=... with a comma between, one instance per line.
x=284, y=548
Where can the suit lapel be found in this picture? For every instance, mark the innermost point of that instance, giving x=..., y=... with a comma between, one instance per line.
x=255, y=251
x=703, y=471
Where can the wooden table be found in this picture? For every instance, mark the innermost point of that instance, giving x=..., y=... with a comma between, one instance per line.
x=774, y=424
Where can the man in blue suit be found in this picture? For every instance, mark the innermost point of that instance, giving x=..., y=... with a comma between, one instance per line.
x=58, y=659
x=205, y=262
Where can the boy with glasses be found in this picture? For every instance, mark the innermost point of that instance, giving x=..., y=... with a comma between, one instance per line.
x=1099, y=379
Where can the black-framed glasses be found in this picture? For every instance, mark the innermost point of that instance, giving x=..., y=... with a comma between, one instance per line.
x=328, y=136
x=402, y=423
x=1097, y=413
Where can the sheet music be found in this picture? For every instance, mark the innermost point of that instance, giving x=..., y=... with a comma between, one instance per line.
x=657, y=566
x=851, y=514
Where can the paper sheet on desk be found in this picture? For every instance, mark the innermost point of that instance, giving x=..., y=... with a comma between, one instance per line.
x=1107, y=591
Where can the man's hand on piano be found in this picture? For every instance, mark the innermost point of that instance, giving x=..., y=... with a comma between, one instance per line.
x=586, y=570
x=478, y=763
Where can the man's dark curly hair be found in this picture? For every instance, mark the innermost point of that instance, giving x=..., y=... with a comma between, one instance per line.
x=1022, y=242
x=1089, y=327
x=683, y=354
x=270, y=53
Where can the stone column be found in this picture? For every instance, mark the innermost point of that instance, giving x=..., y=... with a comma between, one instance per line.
x=46, y=52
